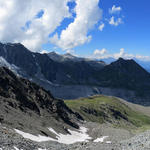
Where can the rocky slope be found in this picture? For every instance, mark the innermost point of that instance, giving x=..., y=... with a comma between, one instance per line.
x=31, y=118
x=103, y=137
x=108, y=109
x=28, y=107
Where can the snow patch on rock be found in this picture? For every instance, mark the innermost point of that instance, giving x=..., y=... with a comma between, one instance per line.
x=12, y=67
x=74, y=136
x=35, y=138
x=100, y=139
x=108, y=142
x=16, y=148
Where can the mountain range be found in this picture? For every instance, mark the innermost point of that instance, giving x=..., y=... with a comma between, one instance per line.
x=71, y=77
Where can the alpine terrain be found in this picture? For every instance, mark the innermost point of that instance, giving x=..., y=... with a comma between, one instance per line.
x=71, y=77
x=31, y=118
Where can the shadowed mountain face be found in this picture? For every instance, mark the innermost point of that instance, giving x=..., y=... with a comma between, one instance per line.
x=25, y=105
x=18, y=55
x=127, y=74
x=70, y=77
x=41, y=66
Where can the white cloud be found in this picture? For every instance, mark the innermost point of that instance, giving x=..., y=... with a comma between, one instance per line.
x=125, y=55
x=101, y=27
x=14, y=14
x=44, y=51
x=114, y=22
x=121, y=54
x=102, y=54
x=115, y=9
x=88, y=14
x=144, y=58
x=70, y=51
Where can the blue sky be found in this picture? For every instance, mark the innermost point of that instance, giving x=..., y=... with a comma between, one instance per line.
x=91, y=28
x=133, y=34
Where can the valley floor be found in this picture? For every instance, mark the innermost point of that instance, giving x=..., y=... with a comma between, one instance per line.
x=103, y=137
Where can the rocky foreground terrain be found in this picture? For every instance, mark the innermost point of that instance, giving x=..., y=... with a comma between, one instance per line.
x=28, y=107
x=115, y=139
x=32, y=119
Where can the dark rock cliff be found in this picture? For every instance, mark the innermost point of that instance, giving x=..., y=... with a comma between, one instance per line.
x=26, y=105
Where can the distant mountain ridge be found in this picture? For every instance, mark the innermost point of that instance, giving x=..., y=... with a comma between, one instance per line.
x=70, y=77
x=144, y=63
x=122, y=71
x=68, y=57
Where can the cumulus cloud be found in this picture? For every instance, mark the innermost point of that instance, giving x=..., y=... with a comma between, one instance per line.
x=70, y=51
x=125, y=55
x=102, y=54
x=114, y=22
x=44, y=52
x=115, y=9
x=19, y=21
x=145, y=58
x=87, y=15
x=101, y=27
x=122, y=54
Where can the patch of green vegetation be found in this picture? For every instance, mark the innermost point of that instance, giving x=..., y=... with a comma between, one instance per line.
x=104, y=109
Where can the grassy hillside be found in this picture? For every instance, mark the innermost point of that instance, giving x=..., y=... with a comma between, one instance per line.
x=104, y=109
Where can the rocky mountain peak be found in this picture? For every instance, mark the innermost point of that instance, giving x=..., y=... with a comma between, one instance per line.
x=129, y=65
x=68, y=55
x=53, y=53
